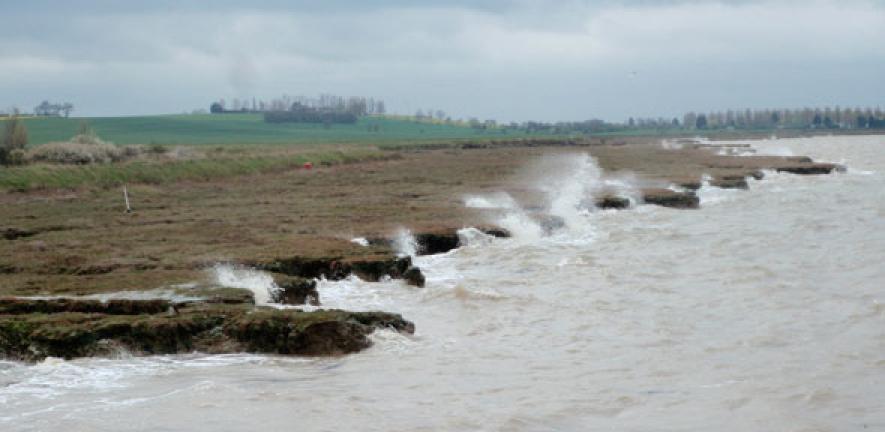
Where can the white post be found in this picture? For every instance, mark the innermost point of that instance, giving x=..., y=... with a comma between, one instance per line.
x=126, y=199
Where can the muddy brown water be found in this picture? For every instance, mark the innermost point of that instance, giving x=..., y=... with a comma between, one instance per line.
x=764, y=310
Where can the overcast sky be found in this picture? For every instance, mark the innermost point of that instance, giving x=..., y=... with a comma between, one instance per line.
x=507, y=60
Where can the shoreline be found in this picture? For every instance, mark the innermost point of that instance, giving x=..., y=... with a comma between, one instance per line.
x=255, y=222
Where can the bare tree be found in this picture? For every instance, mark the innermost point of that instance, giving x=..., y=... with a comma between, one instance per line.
x=66, y=108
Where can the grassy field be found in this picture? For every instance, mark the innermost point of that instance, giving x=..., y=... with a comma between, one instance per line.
x=234, y=161
x=249, y=129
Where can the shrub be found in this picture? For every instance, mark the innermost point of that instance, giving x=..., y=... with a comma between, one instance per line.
x=131, y=151
x=15, y=157
x=157, y=148
x=15, y=138
x=77, y=153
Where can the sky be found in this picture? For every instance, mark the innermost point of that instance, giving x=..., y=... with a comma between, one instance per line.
x=503, y=60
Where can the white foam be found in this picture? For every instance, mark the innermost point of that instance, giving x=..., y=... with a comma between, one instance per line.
x=352, y=293
x=362, y=241
x=154, y=294
x=472, y=237
x=497, y=200
x=259, y=282
x=520, y=225
x=770, y=150
x=404, y=243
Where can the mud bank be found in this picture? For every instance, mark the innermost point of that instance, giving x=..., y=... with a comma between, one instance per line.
x=31, y=330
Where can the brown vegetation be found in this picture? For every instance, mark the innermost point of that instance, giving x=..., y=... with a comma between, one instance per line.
x=82, y=242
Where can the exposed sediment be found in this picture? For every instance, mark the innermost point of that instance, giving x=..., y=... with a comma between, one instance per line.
x=20, y=306
x=612, y=202
x=811, y=168
x=671, y=198
x=730, y=182
x=294, y=290
x=440, y=240
x=370, y=268
x=31, y=330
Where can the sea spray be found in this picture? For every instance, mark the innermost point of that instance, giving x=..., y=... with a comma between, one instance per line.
x=260, y=283
x=624, y=185
x=355, y=294
x=473, y=237
x=404, y=243
x=569, y=189
x=520, y=225
x=568, y=184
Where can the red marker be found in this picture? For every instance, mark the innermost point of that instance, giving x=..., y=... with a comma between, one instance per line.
x=308, y=165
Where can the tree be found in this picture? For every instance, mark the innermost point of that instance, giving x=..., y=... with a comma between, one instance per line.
x=66, y=108
x=701, y=122
x=216, y=108
x=53, y=109
x=689, y=119
x=862, y=122
x=42, y=109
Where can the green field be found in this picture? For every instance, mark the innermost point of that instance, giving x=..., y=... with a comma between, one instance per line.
x=225, y=145
x=249, y=129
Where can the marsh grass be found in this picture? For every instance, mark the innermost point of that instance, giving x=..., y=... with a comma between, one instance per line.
x=165, y=170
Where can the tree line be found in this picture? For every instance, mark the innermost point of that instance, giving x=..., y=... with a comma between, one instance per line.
x=304, y=114
x=804, y=118
x=51, y=109
x=324, y=106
